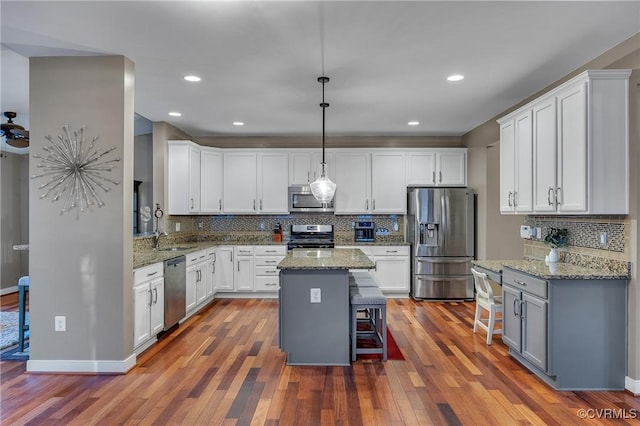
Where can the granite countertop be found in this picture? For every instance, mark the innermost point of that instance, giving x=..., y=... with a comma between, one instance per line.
x=340, y=258
x=558, y=271
x=148, y=257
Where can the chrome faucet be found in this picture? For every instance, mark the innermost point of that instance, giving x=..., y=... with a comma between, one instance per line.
x=156, y=239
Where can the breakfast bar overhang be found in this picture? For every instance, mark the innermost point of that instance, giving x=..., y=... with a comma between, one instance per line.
x=314, y=304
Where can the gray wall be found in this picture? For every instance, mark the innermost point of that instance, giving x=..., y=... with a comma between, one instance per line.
x=143, y=171
x=82, y=261
x=14, y=210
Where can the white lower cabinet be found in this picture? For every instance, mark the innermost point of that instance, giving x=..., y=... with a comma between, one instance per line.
x=243, y=274
x=223, y=276
x=392, y=268
x=148, y=304
x=267, y=275
x=196, y=279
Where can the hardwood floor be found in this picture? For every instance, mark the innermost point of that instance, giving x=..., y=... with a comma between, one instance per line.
x=223, y=367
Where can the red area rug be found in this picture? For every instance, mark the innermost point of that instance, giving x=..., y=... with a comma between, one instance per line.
x=393, y=351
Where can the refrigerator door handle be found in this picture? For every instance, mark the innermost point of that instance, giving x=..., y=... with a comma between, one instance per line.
x=422, y=233
x=444, y=203
x=442, y=260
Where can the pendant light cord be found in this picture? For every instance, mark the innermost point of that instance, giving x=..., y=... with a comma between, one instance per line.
x=324, y=105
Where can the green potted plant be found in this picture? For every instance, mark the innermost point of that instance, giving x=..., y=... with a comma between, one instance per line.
x=556, y=237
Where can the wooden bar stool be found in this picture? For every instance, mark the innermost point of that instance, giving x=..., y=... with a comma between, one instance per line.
x=23, y=288
x=371, y=299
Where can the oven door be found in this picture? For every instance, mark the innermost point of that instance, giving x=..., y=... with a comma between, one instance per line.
x=301, y=199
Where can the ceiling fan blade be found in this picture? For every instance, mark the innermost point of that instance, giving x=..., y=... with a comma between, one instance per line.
x=18, y=142
x=20, y=133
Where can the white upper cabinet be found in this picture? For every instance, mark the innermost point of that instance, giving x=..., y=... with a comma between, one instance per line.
x=194, y=179
x=580, y=145
x=256, y=182
x=436, y=167
x=183, y=177
x=353, y=182
x=273, y=170
x=240, y=183
x=210, y=181
x=305, y=166
x=388, y=190
x=516, y=185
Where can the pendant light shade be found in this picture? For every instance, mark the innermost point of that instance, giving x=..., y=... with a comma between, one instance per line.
x=323, y=189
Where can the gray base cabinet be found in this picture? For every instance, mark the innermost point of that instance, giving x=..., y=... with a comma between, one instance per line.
x=572, y=333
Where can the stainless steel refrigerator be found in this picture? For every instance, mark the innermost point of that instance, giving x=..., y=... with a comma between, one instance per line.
x=441, y=230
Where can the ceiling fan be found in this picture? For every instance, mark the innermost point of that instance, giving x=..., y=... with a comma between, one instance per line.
x=15, y=134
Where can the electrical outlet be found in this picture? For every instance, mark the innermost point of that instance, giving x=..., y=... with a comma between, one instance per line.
x=538, y=233
x=199, y=225
x=395, y=226
x=604, y=240
x=177, y=226
x=60, y=323
x=316, y=295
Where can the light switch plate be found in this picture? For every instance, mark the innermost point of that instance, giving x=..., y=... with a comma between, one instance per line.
x=177, y=226
x=60, y=323
x=316, y=295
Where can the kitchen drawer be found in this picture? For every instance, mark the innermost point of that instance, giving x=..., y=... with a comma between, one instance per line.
x=148, y=273
x=524, y=282
x=267, y=283
x=390, y=250
x=270, y=250
x=271, y=261
x=266, y=270
x=243, y=250
x=196, y=257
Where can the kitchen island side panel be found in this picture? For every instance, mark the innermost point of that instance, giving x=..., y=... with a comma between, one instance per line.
x=315, y=333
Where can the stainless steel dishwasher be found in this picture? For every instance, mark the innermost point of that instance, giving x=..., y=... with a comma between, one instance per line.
x=175, y=288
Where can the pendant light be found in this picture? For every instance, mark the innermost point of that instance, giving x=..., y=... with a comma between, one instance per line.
x=323, y=188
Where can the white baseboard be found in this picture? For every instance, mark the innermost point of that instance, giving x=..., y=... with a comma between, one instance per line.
x=9, y=290
x=632, y=385
x=81, y=366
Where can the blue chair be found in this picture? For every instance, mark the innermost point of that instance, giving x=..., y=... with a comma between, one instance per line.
x=23, y=288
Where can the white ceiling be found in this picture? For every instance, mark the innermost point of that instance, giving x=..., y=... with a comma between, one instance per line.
x=259, y=61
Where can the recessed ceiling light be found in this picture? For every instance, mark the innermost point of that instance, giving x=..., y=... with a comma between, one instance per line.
x=455, y=77
x=238, y=123
x=192, y=78
x=413, y=123
x=175, y=114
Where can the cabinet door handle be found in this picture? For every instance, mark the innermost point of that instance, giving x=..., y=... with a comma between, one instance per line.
x=366, y=205
x=509, y=200
x=150, y=298
x=515, y=198
x=523, y=309
x=549, y=191
x=440, y=176
x=215, y=257
x=374, y=204
x=254, y=205
x=308, y=176
x=155, y=299
x=515, y=310
x=231, y=256
x=152, y=274
x=238, y=266
x=433, y=176
x=522, y=283
x=260, y=205
x=220, y=204
x=213, y=268
x=191, y=203
x=557, y=196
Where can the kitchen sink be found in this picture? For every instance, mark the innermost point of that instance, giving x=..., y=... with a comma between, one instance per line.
x=177, y=248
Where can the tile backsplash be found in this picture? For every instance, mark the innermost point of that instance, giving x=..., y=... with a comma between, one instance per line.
x=583, y=243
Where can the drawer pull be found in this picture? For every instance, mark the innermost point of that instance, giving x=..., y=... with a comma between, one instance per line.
x=270, y=272
x=391, y=251
x=271, y=251
x=270, y=261
x=152, y=274
x=270, y=284
x=522, y=283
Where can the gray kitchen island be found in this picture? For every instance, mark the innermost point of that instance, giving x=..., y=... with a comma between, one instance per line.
x=314, y=304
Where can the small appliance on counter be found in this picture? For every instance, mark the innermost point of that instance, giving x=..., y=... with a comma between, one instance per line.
x=364, y=232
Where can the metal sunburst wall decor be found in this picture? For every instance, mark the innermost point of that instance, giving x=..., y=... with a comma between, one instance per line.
x=74, y=170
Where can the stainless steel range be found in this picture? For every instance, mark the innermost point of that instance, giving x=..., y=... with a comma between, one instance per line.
x=311, y=236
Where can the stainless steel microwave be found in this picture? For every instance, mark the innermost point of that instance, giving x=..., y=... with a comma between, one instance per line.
x=301, y=199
